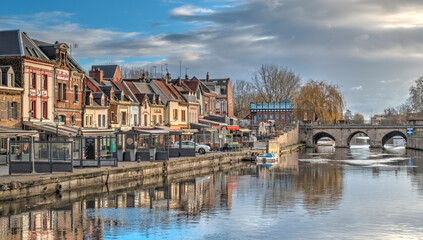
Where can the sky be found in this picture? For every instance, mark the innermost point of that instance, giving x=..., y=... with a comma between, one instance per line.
x=370, y=48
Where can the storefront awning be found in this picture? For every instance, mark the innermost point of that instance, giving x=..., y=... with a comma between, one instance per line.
x=12, y=132
x=244, y=130
x=190, y=131
x=69, y=131
x=213, y=123
x=232, y=127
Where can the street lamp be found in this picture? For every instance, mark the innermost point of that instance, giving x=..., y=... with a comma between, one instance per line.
x=56, y=120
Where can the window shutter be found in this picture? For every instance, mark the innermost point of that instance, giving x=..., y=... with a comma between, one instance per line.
x=10, y=114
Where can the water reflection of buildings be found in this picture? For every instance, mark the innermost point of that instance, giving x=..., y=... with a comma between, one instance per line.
x=320, y=186
x=82, y=220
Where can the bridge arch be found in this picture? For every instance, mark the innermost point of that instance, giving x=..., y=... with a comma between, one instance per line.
x=355, y=133
x=393, y=134
x=320, y=135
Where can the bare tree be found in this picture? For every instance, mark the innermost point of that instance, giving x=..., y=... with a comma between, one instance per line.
x=416, y=95
x=243, y=94
x=358, y=118
x=348, y=116
x=274, y=83
x=133, y=72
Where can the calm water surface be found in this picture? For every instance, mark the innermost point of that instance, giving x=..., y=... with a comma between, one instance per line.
x=356, y=193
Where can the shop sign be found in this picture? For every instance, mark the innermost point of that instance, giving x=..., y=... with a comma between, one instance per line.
x=62, y=75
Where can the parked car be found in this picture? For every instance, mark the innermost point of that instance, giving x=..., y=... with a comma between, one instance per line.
x=190, y=144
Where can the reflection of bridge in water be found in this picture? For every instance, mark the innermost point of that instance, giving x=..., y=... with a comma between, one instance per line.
x=342, y=134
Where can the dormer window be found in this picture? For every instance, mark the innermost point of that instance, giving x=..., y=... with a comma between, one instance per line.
x=12, y=80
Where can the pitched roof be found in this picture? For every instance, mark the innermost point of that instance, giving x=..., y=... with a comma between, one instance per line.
x=17, y=43
x=169, y=90
x=108, y=70
x=127, y=93
x=192, y=84
x=50, y=51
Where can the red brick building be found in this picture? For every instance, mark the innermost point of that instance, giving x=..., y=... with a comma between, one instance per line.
x=223, y=89
x=69, y=84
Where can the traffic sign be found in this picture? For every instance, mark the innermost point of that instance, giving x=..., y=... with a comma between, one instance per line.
x=409, y=131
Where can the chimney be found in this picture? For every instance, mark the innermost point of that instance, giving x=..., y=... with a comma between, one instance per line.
x=208, y=77
x=178, y=82
x=186, y=77
x=97, y=74
x=168, y=77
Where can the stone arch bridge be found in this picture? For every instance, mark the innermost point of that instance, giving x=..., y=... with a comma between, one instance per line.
x=342, y=134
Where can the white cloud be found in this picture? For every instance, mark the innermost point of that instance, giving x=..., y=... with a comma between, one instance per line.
x=190, y=10
x=357, y=88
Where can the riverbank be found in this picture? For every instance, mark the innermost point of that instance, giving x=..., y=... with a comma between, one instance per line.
x=20, y=186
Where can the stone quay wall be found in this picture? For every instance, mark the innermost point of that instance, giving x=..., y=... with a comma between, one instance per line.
x=17, y=187
x=415, y=143
x=288, y=138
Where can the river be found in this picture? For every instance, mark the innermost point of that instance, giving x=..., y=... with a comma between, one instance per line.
x=356, y=193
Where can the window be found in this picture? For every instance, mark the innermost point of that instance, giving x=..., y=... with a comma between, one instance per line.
x=145, y=119
x=44, y=105
x=91, y=120
x=277, y=116
x=75, y=93
x=183, y=117
x=160, y=119
x=104, y=120
x=224, y=106
x=12, y=80
x=32, y=109
x=175, y=114
x=154, y=119
x=86, y=120
x=259, y=116
x=64, y=91
x=44, y=81
x=288, y=116
x=265, y=116
x=198, y=94
x=123, y=120
x=99, y=121
x=33, y=80
x=282, y=116
x=270, y=116
x=218, y=106
x=4, y=81
x=62, y=119
x=135, y=119
x=72, y=120
x=3, y=111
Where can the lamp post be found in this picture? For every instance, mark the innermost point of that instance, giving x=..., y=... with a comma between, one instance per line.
x=56, y=120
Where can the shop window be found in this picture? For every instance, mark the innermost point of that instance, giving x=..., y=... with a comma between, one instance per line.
x=265, y=116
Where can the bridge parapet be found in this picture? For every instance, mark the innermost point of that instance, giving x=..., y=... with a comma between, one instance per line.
x=342, y=134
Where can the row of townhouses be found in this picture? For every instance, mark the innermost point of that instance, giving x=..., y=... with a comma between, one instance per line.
x=42, y=85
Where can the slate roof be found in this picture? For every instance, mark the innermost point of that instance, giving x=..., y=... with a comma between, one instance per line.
x=50, y=51
x=168, y=90
x=17, y=43
x=108, y=70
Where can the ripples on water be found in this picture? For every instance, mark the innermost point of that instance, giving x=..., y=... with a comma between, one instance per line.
x=357, y=193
